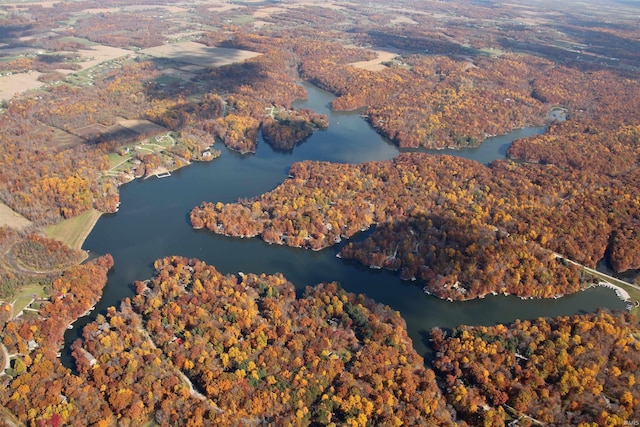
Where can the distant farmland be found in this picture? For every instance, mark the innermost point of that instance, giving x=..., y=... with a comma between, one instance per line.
x=199, y=54
x=17, y=83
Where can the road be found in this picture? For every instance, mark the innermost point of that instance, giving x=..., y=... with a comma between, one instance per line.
x=5, y=357
x=173, y=142
x=613, y=280
x=623, y=287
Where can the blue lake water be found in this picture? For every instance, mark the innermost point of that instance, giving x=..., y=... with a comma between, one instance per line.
x=153, y=223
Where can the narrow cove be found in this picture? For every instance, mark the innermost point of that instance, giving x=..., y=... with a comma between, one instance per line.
x=153, y=223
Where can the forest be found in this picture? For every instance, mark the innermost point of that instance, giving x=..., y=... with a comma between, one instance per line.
x=435, y=94
x=464, y=229
x=37, y=389
x=578, y=370
x=196, y=347
x=31, y=258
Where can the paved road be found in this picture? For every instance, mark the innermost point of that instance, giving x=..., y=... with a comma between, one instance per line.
x=612, y=279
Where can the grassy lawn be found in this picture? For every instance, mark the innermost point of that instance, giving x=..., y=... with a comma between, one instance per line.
x=167, y=80
x=244, y=20
x=79, y=79
x=161, y=140
x=492, y=52
x=74, y=231
x=25, y=295
x=115, y=158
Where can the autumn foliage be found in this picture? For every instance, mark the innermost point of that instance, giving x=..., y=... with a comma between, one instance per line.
x=463, y=228
x=288, y=128
x=38, y=253
x=254, y=352
x=42, y=391
x=575, y=370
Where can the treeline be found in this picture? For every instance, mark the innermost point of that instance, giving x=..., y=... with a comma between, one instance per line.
x=463, y=228
x=38, y=253
x=43, y=63
x=578, y=370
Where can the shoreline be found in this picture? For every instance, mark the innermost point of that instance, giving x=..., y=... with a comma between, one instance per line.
x=85, y=233
x=620, y=292
x=74, y=231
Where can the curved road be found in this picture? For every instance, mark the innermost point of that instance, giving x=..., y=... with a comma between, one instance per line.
x=613, y=280
x=5, y=355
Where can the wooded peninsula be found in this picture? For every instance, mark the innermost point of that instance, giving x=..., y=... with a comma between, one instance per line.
x=96, y=94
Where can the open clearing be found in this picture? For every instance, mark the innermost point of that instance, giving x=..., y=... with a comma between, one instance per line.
x=12, y=218
x=266, y=12
x=199, y=54
x=144, y=127
x=64, y=140
x=376, y=64
x=22, y=82
x=27, y=4
x=94, y=54
x=402, y=20
x=177, y=73
x=18, y=83
x=100, y=53
x=223, y=7
x=134, y=8
x=74, y=231
x=26, y=295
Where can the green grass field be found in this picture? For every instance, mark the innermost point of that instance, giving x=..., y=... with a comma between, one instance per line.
x=74, y=231
x=167, y=80
x=25, y=295
x=115, y=158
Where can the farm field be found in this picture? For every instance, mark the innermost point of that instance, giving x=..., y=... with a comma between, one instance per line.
x=384, y=55
x=97, y=54
x=11, y=218
x=144, y=127
x=18, y=83
x=199, y=54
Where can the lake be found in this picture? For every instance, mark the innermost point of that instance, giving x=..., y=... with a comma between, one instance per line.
x=153, y=222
